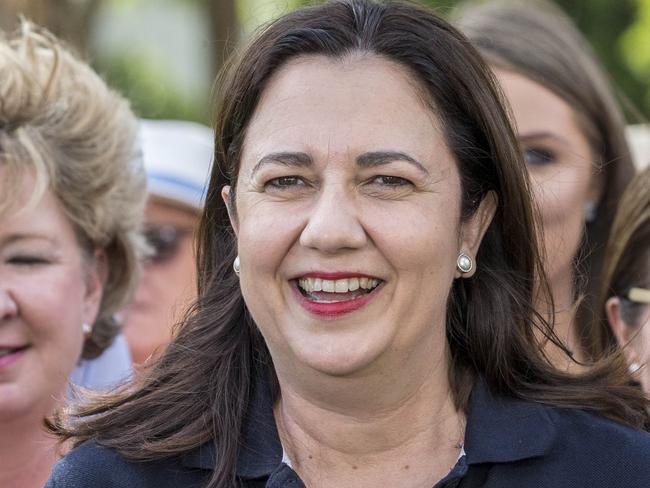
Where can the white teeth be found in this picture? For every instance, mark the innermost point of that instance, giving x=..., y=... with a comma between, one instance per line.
x=329, y=286
x=337, y=286
x=5, y=352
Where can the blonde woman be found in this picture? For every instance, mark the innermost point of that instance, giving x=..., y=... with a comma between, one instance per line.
x=71, y=200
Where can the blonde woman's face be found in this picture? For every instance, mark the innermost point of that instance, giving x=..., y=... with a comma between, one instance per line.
x=561, y=166
x=47, y=291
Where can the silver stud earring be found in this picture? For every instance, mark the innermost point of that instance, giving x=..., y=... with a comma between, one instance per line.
x=236, y=266
x=634, y=367
x=464, y=263
x=87, y=329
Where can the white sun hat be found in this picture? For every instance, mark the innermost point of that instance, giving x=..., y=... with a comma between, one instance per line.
x=177, y=157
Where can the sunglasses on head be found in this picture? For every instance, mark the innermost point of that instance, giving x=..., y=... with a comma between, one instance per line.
x=639, y=295
x=165, y=241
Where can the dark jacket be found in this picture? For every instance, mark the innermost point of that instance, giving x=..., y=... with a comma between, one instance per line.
x=508, y=444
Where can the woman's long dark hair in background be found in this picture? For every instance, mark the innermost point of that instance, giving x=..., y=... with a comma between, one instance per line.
x=200, y=388
x=538, y=41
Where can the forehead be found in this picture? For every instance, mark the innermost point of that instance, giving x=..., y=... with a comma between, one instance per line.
x=342, y=106
x=536, y=108
x=41, y=216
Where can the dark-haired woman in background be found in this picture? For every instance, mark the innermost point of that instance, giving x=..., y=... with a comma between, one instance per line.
x=366, y=303
x=572, y=134
x=625, y=296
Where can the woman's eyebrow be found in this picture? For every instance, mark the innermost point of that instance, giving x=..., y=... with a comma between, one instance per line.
x=531, y=136
x=379, y=158
x=293, y=159
x=365, y=160
x=13, y=238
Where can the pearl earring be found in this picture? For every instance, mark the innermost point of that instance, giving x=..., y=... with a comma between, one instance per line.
x=634, y=367
x=87, y=329
x=464, y=263
x=236, y=265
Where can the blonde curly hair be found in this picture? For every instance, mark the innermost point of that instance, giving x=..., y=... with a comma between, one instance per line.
x=61, y=124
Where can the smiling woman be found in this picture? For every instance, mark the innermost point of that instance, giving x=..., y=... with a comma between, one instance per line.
x=70, y=208
x=366, y=306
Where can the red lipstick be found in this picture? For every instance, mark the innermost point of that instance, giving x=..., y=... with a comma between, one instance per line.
x=334, y=309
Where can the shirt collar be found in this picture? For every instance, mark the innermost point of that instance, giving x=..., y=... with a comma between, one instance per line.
x=499, y=430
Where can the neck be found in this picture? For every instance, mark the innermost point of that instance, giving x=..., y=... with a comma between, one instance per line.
x=564, y=324
x=373, y=429
x=27, y=453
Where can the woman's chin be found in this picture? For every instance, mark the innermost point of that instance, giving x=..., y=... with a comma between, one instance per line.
x=338, y=359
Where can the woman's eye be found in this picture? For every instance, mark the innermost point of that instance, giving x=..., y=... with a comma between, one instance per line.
x=26, y=260
x=535, y=156
x=390, y=181
x=285, y=182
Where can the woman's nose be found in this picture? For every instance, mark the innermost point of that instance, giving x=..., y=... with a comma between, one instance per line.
x=8, y=305
x=334, y=224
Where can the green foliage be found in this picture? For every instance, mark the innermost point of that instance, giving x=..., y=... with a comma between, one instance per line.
x=619, y=31
x=143, y=82
x=635, y=48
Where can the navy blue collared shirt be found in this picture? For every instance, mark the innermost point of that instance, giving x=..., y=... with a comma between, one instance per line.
x=508, y=443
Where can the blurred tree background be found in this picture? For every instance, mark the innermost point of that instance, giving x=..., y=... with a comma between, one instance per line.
x=164, y=54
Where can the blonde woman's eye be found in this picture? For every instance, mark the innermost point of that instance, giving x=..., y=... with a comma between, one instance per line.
x=26, y=260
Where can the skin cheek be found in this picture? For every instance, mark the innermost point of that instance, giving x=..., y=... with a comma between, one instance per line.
x=561, y=197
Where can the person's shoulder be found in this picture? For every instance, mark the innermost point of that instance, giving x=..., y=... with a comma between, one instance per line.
x=93, y=465
x=617, y=451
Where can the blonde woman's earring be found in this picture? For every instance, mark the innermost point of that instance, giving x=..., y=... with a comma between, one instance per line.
x=464, y=263
x=87, y=329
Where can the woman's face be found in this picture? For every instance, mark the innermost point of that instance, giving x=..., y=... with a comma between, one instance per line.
x=561, y=166
x=47, y=291
x=347, y=216
x=167, y=285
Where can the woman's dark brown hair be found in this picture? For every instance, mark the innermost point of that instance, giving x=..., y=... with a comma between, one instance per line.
x=535, y=39
x=200, y=388
x=627, y=260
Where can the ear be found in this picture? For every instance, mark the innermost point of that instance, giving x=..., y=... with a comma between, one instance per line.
x=620, y=329
x=96, y=277
x=474, y=228
x=225, y=194
x=623, y=332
